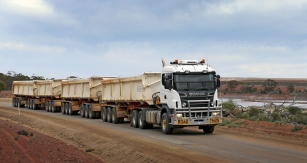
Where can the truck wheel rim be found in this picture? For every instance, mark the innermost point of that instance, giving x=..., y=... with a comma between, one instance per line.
x=140, y=121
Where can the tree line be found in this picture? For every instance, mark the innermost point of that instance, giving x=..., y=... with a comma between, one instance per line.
x=6, y=80
x=268, y=86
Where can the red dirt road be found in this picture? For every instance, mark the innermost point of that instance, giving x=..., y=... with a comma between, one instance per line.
x=36, y=148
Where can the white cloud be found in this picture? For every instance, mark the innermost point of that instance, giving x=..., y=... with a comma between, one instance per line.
x=29, y=47
x=33, y=7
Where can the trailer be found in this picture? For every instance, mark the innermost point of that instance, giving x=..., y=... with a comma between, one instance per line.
x=37, y=93
x=82, y=95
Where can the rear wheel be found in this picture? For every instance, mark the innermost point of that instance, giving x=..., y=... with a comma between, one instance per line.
x=109, y=115
x=165, y=126
x=66, y=108
x=114, y=116
x=28, y=104
x=142, y=123
x=13, y=101
x=104, y=114
x=82, y=111
x=91, y=114
x=34, y=106
x=135, y=117
x=208, y=129
x=18, y=102
x=53, y=109
x=86, y=111
x=63, y=108
x=70, y=109
x=47, y=106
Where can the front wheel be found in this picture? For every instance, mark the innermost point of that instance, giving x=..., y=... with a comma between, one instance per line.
x=208, y=129
x=165, y=126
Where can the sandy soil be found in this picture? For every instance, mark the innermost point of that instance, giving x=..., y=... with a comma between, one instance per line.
x=109, y=145
x=36, y=148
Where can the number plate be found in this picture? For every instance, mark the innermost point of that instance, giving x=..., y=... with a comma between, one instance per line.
x=215, y=120
x=183, y=121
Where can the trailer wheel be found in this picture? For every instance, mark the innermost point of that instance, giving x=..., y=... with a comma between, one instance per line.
x=104, y=114
x=69, y=109
x=208, y=129
x=86, y=111
x=34, y=106
x=13, y=101
x=135, y=117
x=142, y=123
x=66, y=108
x=91, y=114
x=47, y=106
x=165, y=126
x=114, y=116
x=63, y=108
x=28, y=103
x=53, y=109
x=109, y=115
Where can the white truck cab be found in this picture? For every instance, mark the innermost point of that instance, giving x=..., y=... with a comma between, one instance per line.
x=188, y=93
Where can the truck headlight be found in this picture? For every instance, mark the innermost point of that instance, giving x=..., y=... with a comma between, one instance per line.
x=184, y=104
x=179, y=115
x=216, y=113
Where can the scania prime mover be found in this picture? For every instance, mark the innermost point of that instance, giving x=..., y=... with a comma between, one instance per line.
x=183, y=94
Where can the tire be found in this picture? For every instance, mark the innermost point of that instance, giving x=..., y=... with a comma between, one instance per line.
x=86, y=111
x=208, y=129
x=109, y=115
x=28, y=103
x=114, y=116
x=82, y=110
x=165, y=127
x=47, y=106
x=34, y=106
x=91, y=114
x=13, y=101
x=63, y=108
x=18, y=103
x=104, y=114
x=70, y=112
x=142, y=123
x=53, y=109
x=135, y=117
x=67, y=108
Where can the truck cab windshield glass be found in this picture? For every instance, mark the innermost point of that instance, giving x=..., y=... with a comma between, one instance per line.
x=191, y=82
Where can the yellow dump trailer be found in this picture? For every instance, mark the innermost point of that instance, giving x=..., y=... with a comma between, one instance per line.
x=82, y=95
x=23, y=91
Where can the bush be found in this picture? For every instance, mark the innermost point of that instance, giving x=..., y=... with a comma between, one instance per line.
x=296, y=128
x=253, y=111
x=22, y=132
x=30, y=140
x=293, y=110
x=225, y=122
x=31, y=134
x=262, y=117
x=16, y=137
x=89, y=150
x=235, y=124
x=245, y=116
x=275, y=117
x=238, y=114
x=253, y=118
x=229, y=106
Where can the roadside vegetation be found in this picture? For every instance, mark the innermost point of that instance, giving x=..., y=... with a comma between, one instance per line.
x=281, y=114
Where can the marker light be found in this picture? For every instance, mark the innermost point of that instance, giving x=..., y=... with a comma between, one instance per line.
x=176, y=61
x=203, y=61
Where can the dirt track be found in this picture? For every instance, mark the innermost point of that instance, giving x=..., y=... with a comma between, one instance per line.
x=121, y=143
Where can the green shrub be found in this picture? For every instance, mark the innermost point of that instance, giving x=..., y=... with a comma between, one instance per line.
x=89, y=150
x=16, y=137
x=30, y=140
x=275, y=117
x=22, y=132
x=253, y=118
x=31, y=134
x=262, y=117
x=238, y=114
x=284, y=120
x=294, y=109
x=225, y=122
x=253, y=111
x=296, y=128
x=245, y=116
x=229, y=106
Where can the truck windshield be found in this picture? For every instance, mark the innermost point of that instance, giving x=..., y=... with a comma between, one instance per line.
x=191, y=82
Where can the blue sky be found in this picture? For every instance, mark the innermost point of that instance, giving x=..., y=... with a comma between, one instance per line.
x=239, y=38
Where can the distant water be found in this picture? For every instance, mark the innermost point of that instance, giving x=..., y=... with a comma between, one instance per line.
x=276, y=102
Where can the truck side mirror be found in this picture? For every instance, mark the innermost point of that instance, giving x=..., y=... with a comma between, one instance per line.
x=218, y=83
x=218, y=76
